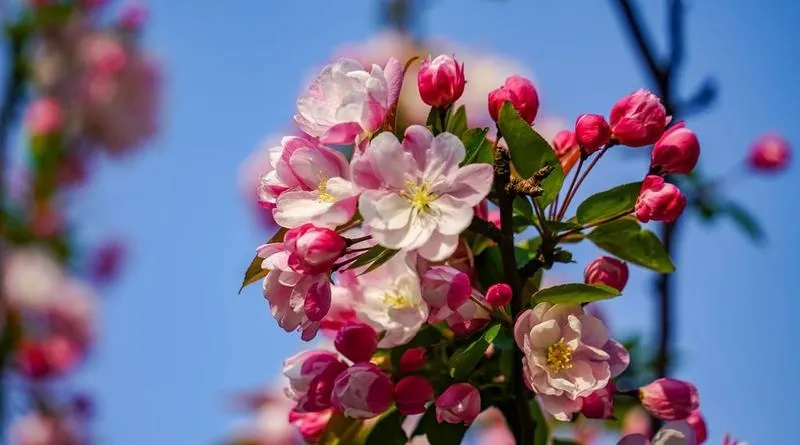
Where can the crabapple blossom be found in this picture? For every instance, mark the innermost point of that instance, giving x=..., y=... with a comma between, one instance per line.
x=413, y=359
x=592, y=132
x=568, y=355
x=311, y=425
x=567, y=149
x=677, y=151
x=638, y=119
x=44, y=116
x=441, y=80
x=311, y=376
x=669, y=399
x=313, y=250
x=357, y=341
x=599, y=404
x=445, y=286
x=31, y=278
x=659, y=200
x=522, y=95
x=769, y=153
x=608, y=271
x=467, y=318
x=697, y=422
x=499, y=294
x=345, y=102
x=459, y=403
x=415, y=196
x=412, y=393
x=362, y=391
x=132, y=17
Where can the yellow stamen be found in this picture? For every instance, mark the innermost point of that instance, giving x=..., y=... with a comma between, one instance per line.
x=322, y=189
x=419, y=195
x=559, y=356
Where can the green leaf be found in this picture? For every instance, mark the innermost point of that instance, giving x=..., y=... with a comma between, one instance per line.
x=254, y=271
x=529, y=152
x=489, y=266
x=477, y=147
x=375, y=257
x=434, y=122
x=626, y=239
x=465, y=359
x=565, y=442
x=439, y=433
x=381, y=260
x=562, y=226
x=457, y=122
x=610, y=203
x=745, y=221
x=388, y=430
x=575, y=293
x=522, y=206
x=542, y=434
x=341, y=430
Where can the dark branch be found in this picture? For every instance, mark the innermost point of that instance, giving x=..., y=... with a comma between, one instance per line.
x=642, y=40
x=530, y=268
x=677, y=36
x=487, y=229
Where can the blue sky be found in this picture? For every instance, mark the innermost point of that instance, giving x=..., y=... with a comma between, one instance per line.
x=176, y=339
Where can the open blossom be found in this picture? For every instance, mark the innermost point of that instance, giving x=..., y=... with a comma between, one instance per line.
x=568, y=355
x=31, y=278
x=415, y=196
x=311, y=375
x=659, y=200
x=307, y=182
x=638, y=119
x=673, y=433
x=345, y=101
x=44, y=116
x=362, y=391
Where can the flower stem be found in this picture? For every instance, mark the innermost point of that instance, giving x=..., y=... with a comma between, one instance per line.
x=574, y=190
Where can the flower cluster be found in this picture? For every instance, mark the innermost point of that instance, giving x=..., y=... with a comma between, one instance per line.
x=398, y=240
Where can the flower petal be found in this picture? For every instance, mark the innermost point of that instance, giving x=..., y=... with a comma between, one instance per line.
x=471, y=183
x=443, y=156
x=453, y=216
x=545, y=334
x=296, y=208
x=439, y=246
x=341, y=134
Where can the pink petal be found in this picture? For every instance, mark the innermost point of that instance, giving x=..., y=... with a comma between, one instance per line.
x=471, y=183
x=341, y=134
x=394, y=78
x=438, y=247
x=444, y=154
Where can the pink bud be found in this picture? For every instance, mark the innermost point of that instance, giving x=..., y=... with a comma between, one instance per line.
x=357, y=341
x=32, y=361
x=133, y=17
x=499, y=294
x=313, y=250
x=106, y=261
x=44, y=116
x=461, y=402
x=608, y=271
x=592, y=132
x=310, y=425
x=412, y=393
x=669, y=399
x=659, y=200
x=445, y=286
x=522, y=95
x=494, y=217
x=441, y=81
x=769, y=153
x=599, y=404
x=413, y=359
x=362, y=391
x=638, y=119
x=311, y=377
x=676, y=152
x=697, y=422
x=566, y=147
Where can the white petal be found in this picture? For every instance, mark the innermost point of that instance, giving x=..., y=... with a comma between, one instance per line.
x=439, y=246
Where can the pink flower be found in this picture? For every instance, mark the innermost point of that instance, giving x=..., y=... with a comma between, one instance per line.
x=44, y=116
x=133, y=17
x=311, y=377
x=39, y=429
x=638, y=119
x=769, y=153
x=499, y=294
x=608, y=271
x=441, y=81
x=673, y=433
x=413, y=359
x=412, y=393
x=697, y=422
x=669, y=399
x=568, y=355
x=522, y=95
x=599, y=404
x=677, y=151
x=31, y=279
x=567, y=149
x=313, y=250
x=726, y=440
x=659, y=200
x=106, y=261
x=465, y=319
x=415, y=196
x=362, y=391
x=592, y=132
x=310, y=425
x=346, y=102
x=496, y=435
x=636, y=421
x=308, y=183
x=460, y=403
x=357, y=341
x=445, y=286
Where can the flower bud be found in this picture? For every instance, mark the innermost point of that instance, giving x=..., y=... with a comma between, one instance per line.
x=133, y=17
x=566, y=147
x=592, y=132
x=362, y=391
x=311, y=375
x=445, y=286
x=499, y=294
x=638, y=119
x=769, y=153
x=608, y=271
x=677, y=151
x=412, y=393
x=522, y=95
x=310, y=425
x=413, y=359
x=313, y=250
x=460, y=403
x=659, y=200
x=669, y=399
x=599, y=404
x=33, y=361
x=44, y=116
x=441, y=81
x=697, y=422
x=357, y=341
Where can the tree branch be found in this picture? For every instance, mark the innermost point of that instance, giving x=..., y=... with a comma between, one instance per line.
x=642, y=40
x=487, y=229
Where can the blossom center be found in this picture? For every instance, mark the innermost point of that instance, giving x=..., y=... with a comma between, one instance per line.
x=322, y=189
x=559, y=356
x=419, y=195
x=400, y=296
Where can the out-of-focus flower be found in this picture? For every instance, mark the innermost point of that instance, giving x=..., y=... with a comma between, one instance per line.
x=638, y=119
x=106, y=260
x=608, y=271
x=669, y=399
x=522, y=95
x=310, y=425
x=727, y=440
x=673, y=433
x=697, y=422
x=637, y=421
x=362, y=391
x=357, y=341
x=412, y=393
x=441, y=80
x=44, y=116
x=459, y=403
x=677, y=151
x=592, y=132
x=133, y=16
x=311, y=375
x=32, y=279
x=568, y=355
x=567, y=149
x=659, y=200
x=415, y=196
x=255, y=167
x=39, y=429
x=769, y=153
